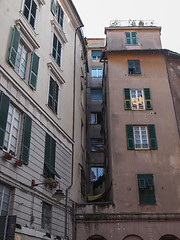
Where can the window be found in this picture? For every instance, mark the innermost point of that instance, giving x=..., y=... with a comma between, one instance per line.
x=56, y=50
x=96, y=118
x=83, y=183
x=4, y=200
x=30, y=11
x=10, y=128
x=134, y=67
x=49, y=157
x=57, y=11
x=97, y=144
x=141, y=137
x=146, y=189
x=53, y=95
x=131, y=38
x=46, y=216
x=96, y=54
x=96, y=94
x=97, y=72
x=18, y=56
x=137, y=99
x=96, y=172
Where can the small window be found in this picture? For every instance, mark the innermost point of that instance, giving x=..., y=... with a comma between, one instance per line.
x=97, y=72
x=96, y=54
x=4, y=200
x=131, y=38
x=146, y=189
x=141, y=137
x=134, y=67
x=56, y=50
x=96, y=172
x=57, y=11
x=29, y=11
x=19, y=56
x=96, y=94
x=46, y=216
x=96, y=118
x=53, y=95
x=97, y=145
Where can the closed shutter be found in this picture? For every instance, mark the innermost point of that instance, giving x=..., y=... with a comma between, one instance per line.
x=147, y=97
x=137, y=66
x=14, y=46
x=26, y=137
x=4, y=106
x=128, y=38
x=130, y=137
x=134, y=38
x=127, y=99
x=152, y=137
x=33, y=71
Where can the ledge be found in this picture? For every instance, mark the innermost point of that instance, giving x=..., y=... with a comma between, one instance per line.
x=56, y=72
x=58, y=29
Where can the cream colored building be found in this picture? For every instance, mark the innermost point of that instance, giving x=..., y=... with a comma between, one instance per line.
x=42, y=115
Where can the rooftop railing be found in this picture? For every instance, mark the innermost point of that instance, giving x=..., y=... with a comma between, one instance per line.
x=130, y=22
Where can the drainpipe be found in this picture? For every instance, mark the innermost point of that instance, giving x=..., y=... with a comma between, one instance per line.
x=73, y=126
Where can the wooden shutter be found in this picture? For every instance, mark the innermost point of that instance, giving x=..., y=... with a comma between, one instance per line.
x=134, y=38
x=152, y=137
x=26, y=138
x=127, y=99
x=14, y=46
x=128, y=38
x=4, y=106
x=147, y=97
x=130, y=137
x=33, y=71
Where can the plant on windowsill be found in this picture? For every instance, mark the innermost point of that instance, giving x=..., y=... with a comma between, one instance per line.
x=8, y=155
x=18, y=163
x=51, y=182
x=141, y=23
x=133, y=23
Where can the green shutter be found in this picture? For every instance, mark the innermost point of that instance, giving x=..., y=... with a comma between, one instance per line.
x=152, y=137
x=134, y=38
x=14, y=46
x=146, y=195
x=26, y=137
x=147, y=97
x=33, y=71
x=127, y=99
x=137, y=66
x=128, y=38
x=4, y=106
x=130, y=137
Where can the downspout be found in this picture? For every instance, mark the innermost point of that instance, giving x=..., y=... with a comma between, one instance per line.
x=73, y=127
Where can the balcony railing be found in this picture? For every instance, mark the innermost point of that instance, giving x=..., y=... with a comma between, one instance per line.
x=131, y=22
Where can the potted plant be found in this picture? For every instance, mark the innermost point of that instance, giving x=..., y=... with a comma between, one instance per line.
x=51, y=182
x=141, y=23
x=18, y=163
x=8, y=155
x=133, y=23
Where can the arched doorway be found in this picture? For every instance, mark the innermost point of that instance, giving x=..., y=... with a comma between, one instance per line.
x=169, y=237
x=96, y=237
x=132, y=237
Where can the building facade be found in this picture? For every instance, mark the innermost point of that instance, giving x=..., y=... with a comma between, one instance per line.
x=42, y=116
x=141, y=83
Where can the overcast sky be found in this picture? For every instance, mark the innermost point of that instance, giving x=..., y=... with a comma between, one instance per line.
x=96, y=15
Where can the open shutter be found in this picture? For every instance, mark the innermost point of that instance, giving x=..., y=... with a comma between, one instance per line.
x=33, y=71
x=141, y=181
x=26, y=137
x=147, y=97
x=4, y=106
x=127, y=99
x=14, y=46
x=128, y=38
x=130, y=137
x=152, y=137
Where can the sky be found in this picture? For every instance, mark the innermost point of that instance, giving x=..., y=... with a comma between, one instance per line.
x=97, y=14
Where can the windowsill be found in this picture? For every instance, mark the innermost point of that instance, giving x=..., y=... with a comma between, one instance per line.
x=134, y=74
x=59, y=30
x=56, y=115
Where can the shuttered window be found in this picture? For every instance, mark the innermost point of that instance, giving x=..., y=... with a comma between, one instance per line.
x=29, y=11
x=4, y=200
x=131, y=38
x=134, y=67
x=141, y=137
x=146, y=189
x=137, y=99
x=96, y=54
x=49, y=157
x=96, y=94
x=53, y=95
x=57, y=11
x=18, y=58
x=56, y=50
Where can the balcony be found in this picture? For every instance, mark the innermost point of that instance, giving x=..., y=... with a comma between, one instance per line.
x=131, y=22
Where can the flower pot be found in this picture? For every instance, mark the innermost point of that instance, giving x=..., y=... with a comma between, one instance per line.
x=7, y=156
x=18, y=163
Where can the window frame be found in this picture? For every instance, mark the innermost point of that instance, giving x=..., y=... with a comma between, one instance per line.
x=57, y=12
x=2, y=200
x=97, y=173
x=55, y=96
x=137, y=99
x=30, y=13
x=141, y=138
x=96, y=71
x=55, y=50
x=130, y=38
x=46, y=219
x=133, y=70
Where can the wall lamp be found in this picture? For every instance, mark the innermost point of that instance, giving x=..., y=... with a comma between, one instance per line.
x=58, y=195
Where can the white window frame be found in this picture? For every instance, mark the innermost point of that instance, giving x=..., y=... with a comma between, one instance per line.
x=140, y=139
x=3, y=199
x=28, y=20
x=96, y=71
x=137, y=100
x=14, y=109
x=55, y=58
x=97, y=173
